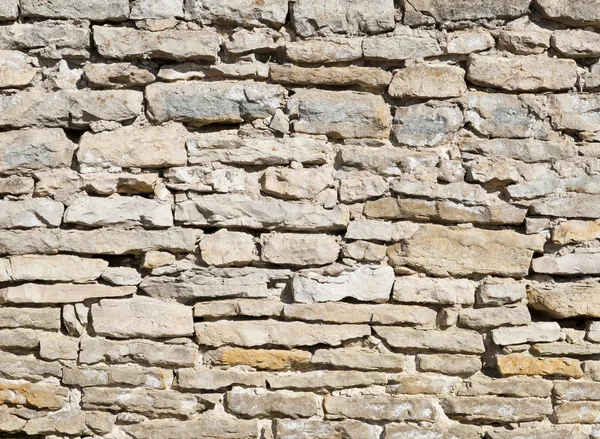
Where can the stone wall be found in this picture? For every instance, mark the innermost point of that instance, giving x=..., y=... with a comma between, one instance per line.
x=322, y=219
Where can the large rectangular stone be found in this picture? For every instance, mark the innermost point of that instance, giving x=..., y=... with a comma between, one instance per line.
x=121, y=375
x=261, y=213
x=439, y=11
x=214, y=379
x=575, y=112
x=35, y=212
x=32, y=36
x=526, y=150
x=202, y=103
x=517, y=364
x=9, y=10
x=323, y=51
x=60, y=293
x=210, y=426
x=318, y=17
x=96, y=10
x=142, y=317
x=367, y=77
x=444, y=251
x=238, y=12
x=361, y=359
x=339, y=114
x=34, y=149
x=401, y=47
x=318, y=429
x=571, y=205
x=36, y=396
x=497, y=409
x=271, y=332
x=259, y=403
x=152, y=353
x=28, y=367
x=534, y=332
x=56, y=268
x=458, y=340
x=381, y=408
x=100, y=212
x=577, y=412
x=179, y=45
x=568, y=264
x=427, y=124
x=36, y=318
x=565, y=299
x=569, y=12
x=299, y=249
x=156, y=9
x=149, y=147
x=415, y=289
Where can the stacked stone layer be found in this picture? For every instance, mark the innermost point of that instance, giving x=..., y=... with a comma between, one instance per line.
x=316, y=219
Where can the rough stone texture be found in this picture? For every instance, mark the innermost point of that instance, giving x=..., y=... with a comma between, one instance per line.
x=310, y=219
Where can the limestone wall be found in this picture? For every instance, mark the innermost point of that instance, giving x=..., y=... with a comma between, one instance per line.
x=322, y=219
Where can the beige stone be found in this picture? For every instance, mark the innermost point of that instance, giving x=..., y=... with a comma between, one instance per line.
x=299, y=249
x=116, y=75
x=323, y=51
x=225, y=248
x=270, y=12
x=415, y=289
x=40, y=396
x=296, y=184
x=573, y=231
x=449, y=364
x=496, y=409
x=317, y=429
x=57, y=268
x=15, y=69
x=366, y=77
x=214, y=379
x=517, y=364
x=257, y=403
x=361, y=359
x=401, y=47
x=453, y=340
x=60, y=293
x=565, y=300
x=116, y=374
x=36, y=318
x=428, y=81
x=210, y=426
x=386, y=408
x=267, y=359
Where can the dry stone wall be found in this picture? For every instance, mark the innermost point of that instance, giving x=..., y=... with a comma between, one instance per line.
x=315, y=219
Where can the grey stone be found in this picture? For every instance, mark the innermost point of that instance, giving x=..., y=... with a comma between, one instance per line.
x=440, y=11
x=449, y=364
x=60, y=293
x=361, y=359
x=572, y=205
x=385, y=408
x=270, y=12
x=428, y=81
x=575, y=112
x=96, y=10
x=367, y=77
x=323, y=51
x=279, y=403
x=483, y=318
x=526, y=150
x=239, y=307
x=215, y=379
x=27, y=367
x=469, y=41
x=401, y=47
x=16, y=69
x=156, y=9
x=578, y=14
x=524, y=42
x=553, y=432
x=116, y=75
x=297, y=184
x=534, y=332
x=57, y=268
x=36, y=318
x=516, y=387
x=211, y=427
x=9, y=10
x=317, y=429
x=498, y=294
x=299, y=249
x=496, y=409
x=426, y=124
x=66, y=37
x=414, y=289
x=565, y=300
x=36, y=212
x=576, y=43
x=455, y=340
x=401, y=431
x=568, y=264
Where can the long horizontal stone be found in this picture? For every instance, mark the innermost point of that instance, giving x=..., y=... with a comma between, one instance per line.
x=31, y=36
x=149, y=147
x=565, y=11
x=361, y=359
x=215, y=379
x=35, y=212
x=100, y=212
x=573, y=231
x=423, y=384
x=202, y=103
x=60, y=293
x=517, y=364
x=28, y=367
x=318, y=429
x=558, y=348
x=122, y=375
x=35, y=149
x=262, y=359
x=269, y=12
x=333, y=76
x=497, y=409
x=152, y=353
x=522, y=73
x=516, y=387
x=449, y=364
x=325, y=379
x=570, y=205
x=339, y=114
x=482, y=318
x=575, y=112
x=57, y=268
x=466, y=251
x=458, y=341
x=439, y=11
x=453, y=431
x=109, y=241
x=401, y=47
x=299, y=249
x=577, y=391
x=317, y=17
x=526, y=150
x=262, y=213
x=381, y=408
x=97, y=10
x=414, y=289
x=568, y=264
x=428, y=81
x=565, y=300
x=366, y=283
x=534, y=332
x=141, y=317
x=36, y=318
x=179, y=45
x=210, y=426
x=271, y=332
x=553, y=432
x=258, y=403
x=231, y=149
x=576, y=43
x=323, y=51
x=37, y=396
x=577, y=412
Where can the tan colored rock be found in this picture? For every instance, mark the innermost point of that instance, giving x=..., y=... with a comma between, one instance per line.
x=299, y=249
x=67, y=422
x=498, y=294
x=401, y=47
x=270, y=307
x=524, y=42
x=57, y=268
x=466, y=251
x=225, y=248
x=428, y=81
x=208, y=425
x=156, y=9
x=9, y=10
x=572, y=205
x=270, y=12
x=456, y=340
x=125, y=375
x=332, y=76
x=522, y=74
x=149, y=147
x=15, y=185
x=453, y=431
x=258, y=403
x=482, y=318
x=318, y=429
x=60, y=293
x=449, y=364
x=39, y=396
x=323, y=51
x=364, y=251
x=296, y=184
x=565, y=11
x=154, y=259
x=573, y=231
x=566, y=300
x=386, y=408
x=15, y=69
x=141, y=317
x=343, y=114
x=577, y=412
x=58, y=347
x=439, y=11
x=414, y=289
x=361, y=188
x=36, y=318
x=321, y=379
x=122, y=43
x=116, y=75
x=517, y=387
x=361, y=359
x=534, y=332
x=469, y=41
x=73, y=39
x=122, y=276
x=215, y=379
x=428, y=384
x=267, y=359
x=496, y=409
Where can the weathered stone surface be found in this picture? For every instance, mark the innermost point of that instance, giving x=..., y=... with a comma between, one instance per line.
x=526, y=150
x=553, y=432
x=498, y=294
x=386, y=408
x=240, y=12
x=369, y=230
x=503, y=115
x=116, y=75
x=152, y=403
x=96, y=10
x=100, y=212
x=122, y=276
x=16, y=69
x=42, y=396
x=317, y=429
x=36, y=318
x=141, y=317
x=401, y=47
x=58, y=347
x=214, y=379
x=35, y=212
x=482, y=318
x=324, y=52
x=534, y=332
x=333, y=76
x=495, y=409
x=271, y=332
x=123, y=43
x=145, y=9
x=231, y=149
x=269, y=307
x=362, y=359
x=458, y=341
x=19, y=339
x=325, y=380
x=428, y=81
x=311, y=18
x=577, y=14
x=58, y=268
x=299, y=249
x=449, y=364
x=522, y=73
x=60, y=293
x=9, y=10
x=262, y=213
x=414, y=384
x=67, y=37
x=124, y=375
x=211, y=428
x=344, y=114
x=576, y=43
x=296, y=184
x=414, y=289
x=575, y=112
x=152, y=353
x=362, y=188
x=569, y=232
x=216, y=102
x=565, y=300
x=267, y=359
x=279, y=403
x=568, y=264
x=366, y=283
x=228, y=248
x=577, y=412
x=519, y=387
x=426, y=124
x=400, y=431
x=576, y=391
x=571, y=205
x=441, y=11
x=67, y=422
x=466, y=251
x=524, y=42
x=16, y=185
x=468, y=41
x=353, y=313
x=150, y=147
